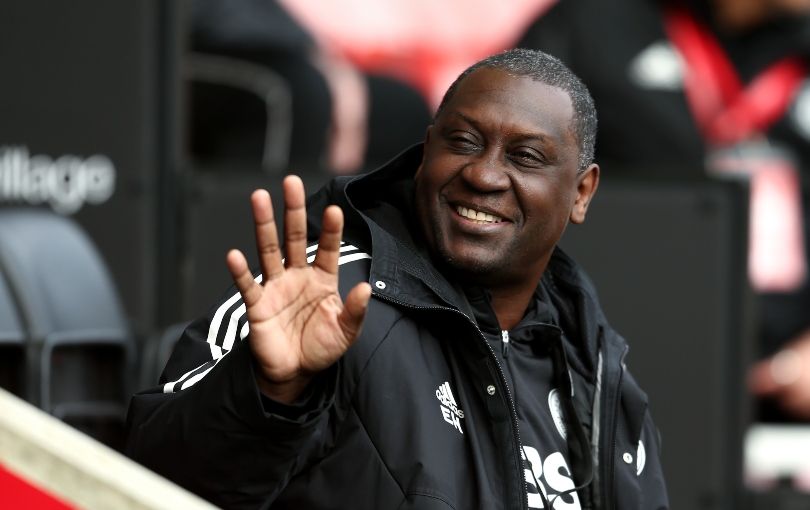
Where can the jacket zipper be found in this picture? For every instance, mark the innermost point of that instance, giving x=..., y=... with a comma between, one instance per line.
x=493, y=357
x=505, y=343
x=610, y=453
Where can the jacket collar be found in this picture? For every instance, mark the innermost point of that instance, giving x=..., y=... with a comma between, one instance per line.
x=574, y=296
x=400, y=259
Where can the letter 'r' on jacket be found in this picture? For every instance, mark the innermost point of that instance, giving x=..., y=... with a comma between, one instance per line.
x=417, y=414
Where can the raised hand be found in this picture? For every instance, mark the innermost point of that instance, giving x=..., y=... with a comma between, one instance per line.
x=298, y=323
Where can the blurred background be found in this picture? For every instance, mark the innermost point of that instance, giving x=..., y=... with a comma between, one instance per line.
x=132, y=133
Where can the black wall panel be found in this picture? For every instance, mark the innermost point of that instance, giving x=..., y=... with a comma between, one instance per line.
x=85, y=83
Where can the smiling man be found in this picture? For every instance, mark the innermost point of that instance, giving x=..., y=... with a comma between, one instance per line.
x=442, y=352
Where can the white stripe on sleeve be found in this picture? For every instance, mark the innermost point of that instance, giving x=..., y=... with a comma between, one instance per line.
x=216, y=322
x=217, y=353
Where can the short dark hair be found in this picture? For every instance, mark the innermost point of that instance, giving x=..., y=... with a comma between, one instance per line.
x=544, y=68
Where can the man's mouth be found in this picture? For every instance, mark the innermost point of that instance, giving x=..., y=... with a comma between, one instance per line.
x=478, y=216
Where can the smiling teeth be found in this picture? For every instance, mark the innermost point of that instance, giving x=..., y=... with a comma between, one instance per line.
x=478, y=215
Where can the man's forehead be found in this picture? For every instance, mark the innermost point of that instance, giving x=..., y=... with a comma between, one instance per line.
x=484, y=74
x=510, y=98
x=490, y=84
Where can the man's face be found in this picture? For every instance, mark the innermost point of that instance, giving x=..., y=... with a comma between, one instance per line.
x=498, y=181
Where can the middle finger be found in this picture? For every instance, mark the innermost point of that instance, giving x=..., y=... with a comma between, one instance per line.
x=295, y=222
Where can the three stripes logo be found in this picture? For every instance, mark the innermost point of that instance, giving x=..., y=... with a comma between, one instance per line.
x=229, y=323
x=450, y=410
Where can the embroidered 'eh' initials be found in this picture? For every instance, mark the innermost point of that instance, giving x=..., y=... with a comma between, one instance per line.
x=450, y=411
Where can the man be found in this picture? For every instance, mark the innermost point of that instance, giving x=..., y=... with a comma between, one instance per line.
x=484, y=374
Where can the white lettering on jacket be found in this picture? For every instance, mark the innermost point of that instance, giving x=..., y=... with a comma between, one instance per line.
x=551, y=478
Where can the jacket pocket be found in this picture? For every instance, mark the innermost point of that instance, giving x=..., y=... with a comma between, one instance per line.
x=425, y=500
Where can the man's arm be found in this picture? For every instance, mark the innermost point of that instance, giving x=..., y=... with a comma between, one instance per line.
x=234, y=420
x=785, y=377
x=216, y=437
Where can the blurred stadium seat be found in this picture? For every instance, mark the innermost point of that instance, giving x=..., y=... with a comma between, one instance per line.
x=223, y=91
x=78, y=347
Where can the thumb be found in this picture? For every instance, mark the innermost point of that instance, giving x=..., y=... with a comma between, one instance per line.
x=354, y=310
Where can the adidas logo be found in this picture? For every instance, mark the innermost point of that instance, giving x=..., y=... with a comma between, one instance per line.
x=450, y=411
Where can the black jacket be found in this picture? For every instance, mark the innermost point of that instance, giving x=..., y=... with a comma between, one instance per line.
x=371, y=433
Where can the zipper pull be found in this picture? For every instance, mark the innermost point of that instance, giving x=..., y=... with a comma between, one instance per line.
x=505, y=343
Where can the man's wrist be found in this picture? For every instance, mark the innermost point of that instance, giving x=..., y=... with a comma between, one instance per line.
x=286, y=392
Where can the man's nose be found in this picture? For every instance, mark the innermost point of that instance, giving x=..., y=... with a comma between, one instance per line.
x=487, y=173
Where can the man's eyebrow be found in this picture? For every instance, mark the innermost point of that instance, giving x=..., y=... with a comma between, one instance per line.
x=465, y=118
x=529, y=135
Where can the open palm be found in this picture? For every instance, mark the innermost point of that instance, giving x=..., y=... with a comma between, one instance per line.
x=298, y=323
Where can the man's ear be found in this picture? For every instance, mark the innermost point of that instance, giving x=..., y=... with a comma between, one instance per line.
x=587, y=182
x=424, y=150
x=427, y=133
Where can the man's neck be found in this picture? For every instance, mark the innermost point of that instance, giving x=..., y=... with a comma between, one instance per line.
x=510, y=305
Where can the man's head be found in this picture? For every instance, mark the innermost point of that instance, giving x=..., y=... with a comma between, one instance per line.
x=544, y=68
x=504, y=147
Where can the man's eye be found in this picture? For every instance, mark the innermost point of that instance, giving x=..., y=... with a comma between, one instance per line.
x=527, y=158
x=462, y=143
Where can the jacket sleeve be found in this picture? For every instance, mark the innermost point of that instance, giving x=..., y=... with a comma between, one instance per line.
x=214, y=436
x=208, y=428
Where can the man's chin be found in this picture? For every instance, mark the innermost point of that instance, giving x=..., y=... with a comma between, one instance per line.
x=472, y=269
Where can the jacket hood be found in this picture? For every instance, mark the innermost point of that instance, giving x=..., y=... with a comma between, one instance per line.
x=382, y=199
x=574, y=296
